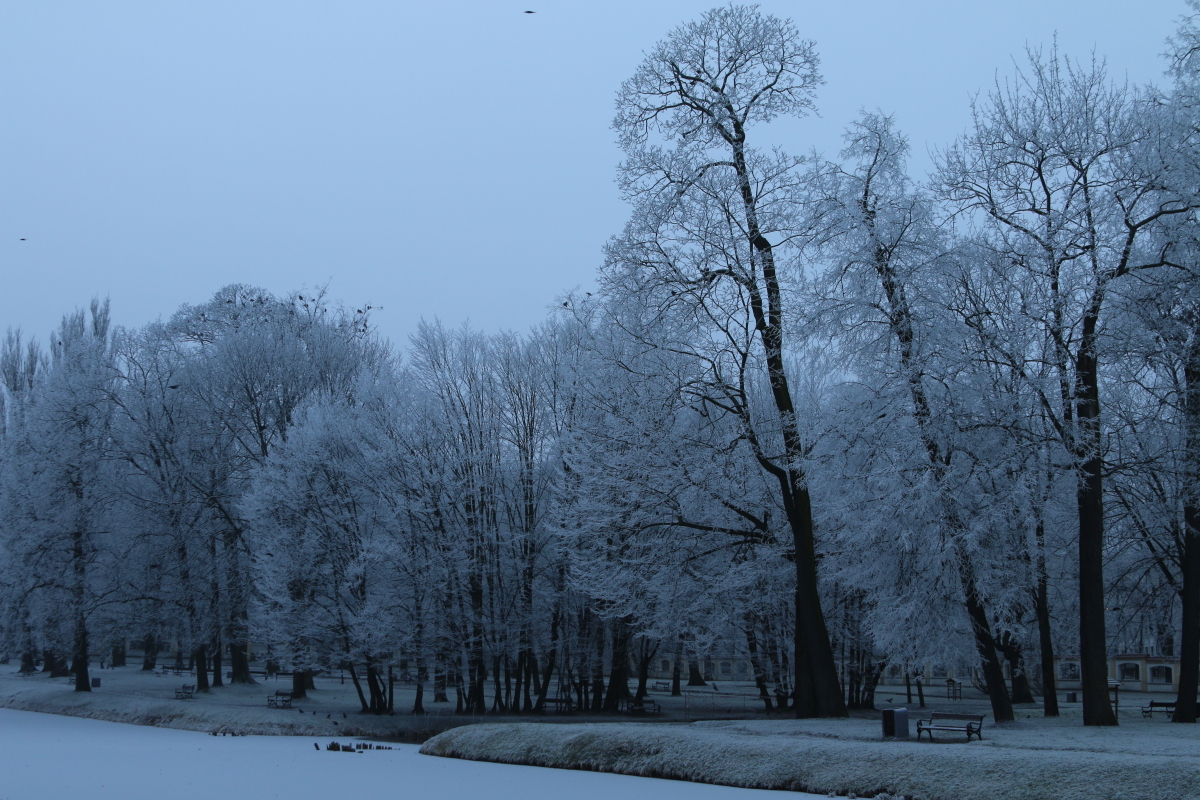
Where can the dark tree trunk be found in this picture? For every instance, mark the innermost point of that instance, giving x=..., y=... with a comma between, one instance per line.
x=1189, y=595
x=871, y=683
x=150, y=654
x=362, y=699
x=201, y=660
x=760, y=675
x=618, y=676
x=419, y=702
x=1189, y=585
x=239, y=663
x=79, y=665
x=299, y=683
x=646, y=656
x=439, y=681
x=498, y=705
x=1089, y=495
x=1014, y=654
x=218, y=678
x=117, y=656
x=27, y=662
x=377, y=704
x=1021, y=691
x=676, y=669
x=985, y=645
x=695, y=678
x=1045, y=640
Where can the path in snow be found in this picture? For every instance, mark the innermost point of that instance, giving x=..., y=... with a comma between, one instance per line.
x=48, y=756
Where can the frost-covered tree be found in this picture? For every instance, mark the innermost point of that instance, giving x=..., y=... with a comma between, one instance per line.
x=1066, y=177
x=698, y=250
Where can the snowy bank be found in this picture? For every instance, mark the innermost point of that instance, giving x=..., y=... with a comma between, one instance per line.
x=1021, y=761
x=140, y=698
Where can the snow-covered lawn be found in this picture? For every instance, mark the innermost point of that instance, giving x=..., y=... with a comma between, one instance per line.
x=1024, y=760
x=1030, y=759
x=48, y=757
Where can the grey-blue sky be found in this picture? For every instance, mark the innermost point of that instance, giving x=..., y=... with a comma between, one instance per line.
x=448, y=159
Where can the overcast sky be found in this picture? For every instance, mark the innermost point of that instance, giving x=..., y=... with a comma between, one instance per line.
x=449, y=159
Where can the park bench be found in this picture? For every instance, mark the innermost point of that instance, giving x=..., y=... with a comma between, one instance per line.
x=1166, y=707
x=643, y=707
x=185, y=692
x=280, y=699
x=561, y=704
x=662, y=686
x=970, y=724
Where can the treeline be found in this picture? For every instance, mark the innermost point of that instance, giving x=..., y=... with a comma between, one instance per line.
x=818, y=411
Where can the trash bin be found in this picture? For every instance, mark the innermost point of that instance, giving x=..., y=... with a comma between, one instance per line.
x=895, y=722
x=901, y=722
x=1071, y=697
x=95, y=683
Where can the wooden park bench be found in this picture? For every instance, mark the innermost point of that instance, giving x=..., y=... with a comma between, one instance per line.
x=185, y=692
x=280, y=699
x=970, y=724
x=561, y=704
x=662, y=686
x=643, y=707
x=1165, y=706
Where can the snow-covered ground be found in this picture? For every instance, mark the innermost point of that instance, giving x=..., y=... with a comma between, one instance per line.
x=1030, y=759
x=43, y=756
x=1024, y=760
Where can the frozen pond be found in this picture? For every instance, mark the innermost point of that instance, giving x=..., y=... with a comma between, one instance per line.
x=48, y=756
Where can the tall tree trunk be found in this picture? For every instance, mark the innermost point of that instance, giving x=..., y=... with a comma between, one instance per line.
x=985, y=645
x=299, y=683
x=218, y=678
x=150, y=653
x=1089, y=496
x=117, y=656
x=1189, y=594
x=676, y=669
x=695, y=678
x=83, y=681
x=362, y=699
x=239, y=663
x=1189, y=586
x=1045, y=641
x=200, y=657
x=419, y=702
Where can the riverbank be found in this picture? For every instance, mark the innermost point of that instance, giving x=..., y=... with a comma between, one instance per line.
x=1031, y=759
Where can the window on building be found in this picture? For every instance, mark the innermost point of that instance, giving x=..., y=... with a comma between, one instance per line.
x=1068, y=671
x=726, y=668
x=1160, y=674
x=939, y=672
x=666, y=666
x=740, y=668
x=1129, y=672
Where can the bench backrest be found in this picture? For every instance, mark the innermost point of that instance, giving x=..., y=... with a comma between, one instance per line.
x=964, y=717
